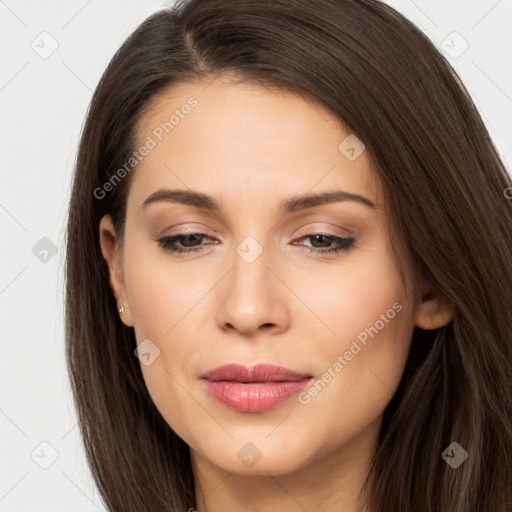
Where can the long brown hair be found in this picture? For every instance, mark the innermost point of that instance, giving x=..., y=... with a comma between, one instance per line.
x=448, y=214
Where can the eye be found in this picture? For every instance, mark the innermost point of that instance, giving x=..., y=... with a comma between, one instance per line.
x=323, y=240
x=191, y=243
x=188, y=240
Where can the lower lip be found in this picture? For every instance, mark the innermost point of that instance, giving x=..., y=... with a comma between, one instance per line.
x=254, y=396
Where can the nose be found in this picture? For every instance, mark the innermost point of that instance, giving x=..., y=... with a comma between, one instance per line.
x=252, y=298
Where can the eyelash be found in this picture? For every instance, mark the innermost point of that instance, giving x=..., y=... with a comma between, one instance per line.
x=167, y=243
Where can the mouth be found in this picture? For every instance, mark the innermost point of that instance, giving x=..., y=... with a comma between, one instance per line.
x=253, y=388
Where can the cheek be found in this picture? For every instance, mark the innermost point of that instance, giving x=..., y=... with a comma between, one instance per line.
x=361, y=364
x=164, y=302
x=160, y=291
x=161, y=302
x=356, y=295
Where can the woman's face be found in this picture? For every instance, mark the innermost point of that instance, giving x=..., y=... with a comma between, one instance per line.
x=262, y=288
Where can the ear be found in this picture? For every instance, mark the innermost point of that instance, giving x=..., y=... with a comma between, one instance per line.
x=432, y=312
x=112, y=254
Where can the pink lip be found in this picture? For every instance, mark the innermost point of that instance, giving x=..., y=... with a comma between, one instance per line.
x=253, y=389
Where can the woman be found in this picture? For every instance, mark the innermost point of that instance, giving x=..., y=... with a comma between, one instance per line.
x=289, y=268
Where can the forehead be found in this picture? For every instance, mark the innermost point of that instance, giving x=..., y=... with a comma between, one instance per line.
x=229, y=105
x=215, y=133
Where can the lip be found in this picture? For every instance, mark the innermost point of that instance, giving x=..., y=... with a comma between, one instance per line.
x=253, y=388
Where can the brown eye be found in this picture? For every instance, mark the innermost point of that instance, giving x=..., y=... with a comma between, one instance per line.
x=190, y=242
x=320, y=240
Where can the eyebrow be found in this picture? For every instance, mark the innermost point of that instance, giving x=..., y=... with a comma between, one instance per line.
x=290, y=205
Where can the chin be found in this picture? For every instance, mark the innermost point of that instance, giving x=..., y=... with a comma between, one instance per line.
x=258, y=457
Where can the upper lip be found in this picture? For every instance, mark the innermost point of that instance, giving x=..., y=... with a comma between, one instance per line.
x=256, y=373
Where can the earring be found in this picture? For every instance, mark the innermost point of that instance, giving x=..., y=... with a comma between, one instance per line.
x=121, y=310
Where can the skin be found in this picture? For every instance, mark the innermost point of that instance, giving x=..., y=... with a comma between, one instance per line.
x=249, y=148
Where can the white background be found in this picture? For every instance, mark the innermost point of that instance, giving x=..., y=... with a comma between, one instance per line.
x=43, y=105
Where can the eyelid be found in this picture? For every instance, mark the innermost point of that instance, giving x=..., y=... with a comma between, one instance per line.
x=340, y=232
x=189, y=230
x=304, y=230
